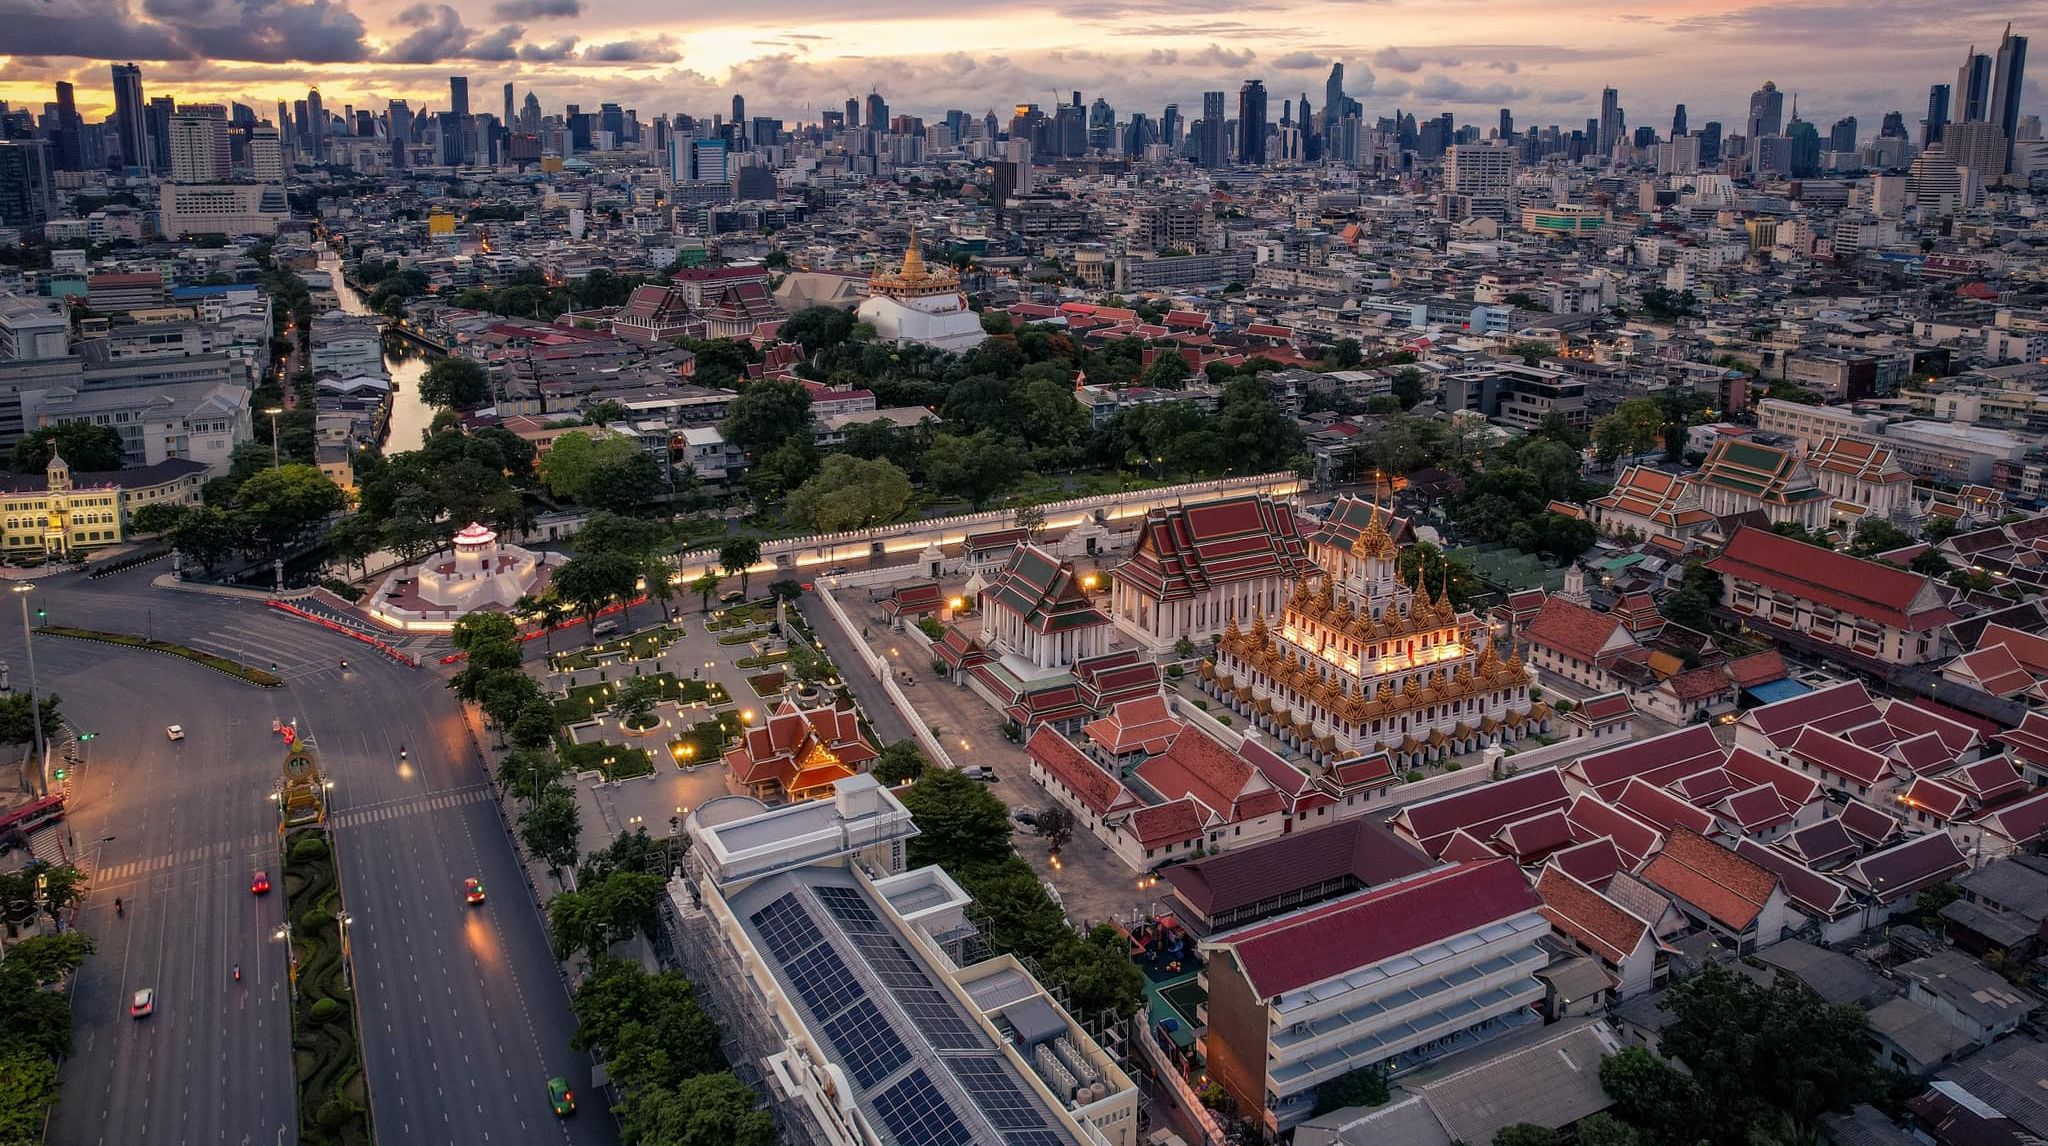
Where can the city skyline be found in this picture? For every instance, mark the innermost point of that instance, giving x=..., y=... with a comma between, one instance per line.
x=1406, y=56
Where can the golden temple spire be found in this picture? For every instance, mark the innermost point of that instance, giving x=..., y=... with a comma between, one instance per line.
x=913, y=259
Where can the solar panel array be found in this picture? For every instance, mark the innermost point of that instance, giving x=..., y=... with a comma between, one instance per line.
x=915, y=1109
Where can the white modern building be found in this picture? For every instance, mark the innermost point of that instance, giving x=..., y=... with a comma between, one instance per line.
x=221, y=209
x=836, y=972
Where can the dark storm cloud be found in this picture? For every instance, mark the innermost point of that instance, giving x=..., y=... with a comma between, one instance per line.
x=537, y=9
x=437, y=34
x=259, y=31
x=657, y=51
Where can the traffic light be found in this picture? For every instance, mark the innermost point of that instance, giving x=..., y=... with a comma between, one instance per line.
x=85, y=736
x=62, y=773
x=41, y=614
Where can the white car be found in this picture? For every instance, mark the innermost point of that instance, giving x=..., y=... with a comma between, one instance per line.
x=143, y=1004
x=175, y=732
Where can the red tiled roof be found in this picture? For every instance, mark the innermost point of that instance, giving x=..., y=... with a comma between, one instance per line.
x=1841, y=757
x=2030, y=739
x=1808, y=889
x=1358, y=848
x=1654, y=805
x=1133, y=726
x=1867, y=589
x=1757, y=668
x=1989, y=780
x=1186, y=550
x=2022, y=821
x=1226, y=783
x=1596, y=922
x=1711, y=878
x=1593, y=819
x=1341, y=936
x=1595, y=861
x=1532, y=838
x=1794, y=787
x=1089, y=781
x=1935, y=797
x=1868, y=822
x=1658, y=760
x=1699, y=684
x=1828, y=704
x=1169, y=823
x=1754, y=809
x=1572, y=629
x=1907, y=717
x=1821, y=842
x=1481, y=810
x=1906, y=868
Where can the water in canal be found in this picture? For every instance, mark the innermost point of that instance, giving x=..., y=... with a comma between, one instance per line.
x=404, y=362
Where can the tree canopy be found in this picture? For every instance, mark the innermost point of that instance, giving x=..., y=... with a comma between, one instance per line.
x=455, y=383
x=850, y=493
x=85, y=447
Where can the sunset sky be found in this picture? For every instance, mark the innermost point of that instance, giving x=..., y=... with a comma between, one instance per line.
x=1548, y=61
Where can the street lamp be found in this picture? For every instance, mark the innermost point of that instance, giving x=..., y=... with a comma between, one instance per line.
x=35, y=704
x=273, y=411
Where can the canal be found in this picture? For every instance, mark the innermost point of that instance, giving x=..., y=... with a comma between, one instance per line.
x=404, y=362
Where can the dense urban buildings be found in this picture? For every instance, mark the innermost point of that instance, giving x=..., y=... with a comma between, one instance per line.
x=1367, y=593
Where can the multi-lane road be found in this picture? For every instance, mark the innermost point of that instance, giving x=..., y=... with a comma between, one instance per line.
x=464, y=1013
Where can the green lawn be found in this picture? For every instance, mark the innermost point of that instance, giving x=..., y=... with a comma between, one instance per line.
x=586, y=701
x=638, y=647
x=617, y=762
x=703, y=741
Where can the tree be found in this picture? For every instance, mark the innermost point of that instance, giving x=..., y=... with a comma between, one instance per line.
x=85, y=447
x=156, y=517
x=1763, y=1055
x=976, y=468
x=1939, y=529
x=649, y=1027
x=1096, y=972
x=850, y=493
x=1365, y=1086
x=708, y=1110
x=1525, y=1134
x=1649, y=1094
x=28, y=1085
x=1343, y=354
x=1631, y=429
x=58, y=884
x=704, y=586
x=739, y=555
x=1168, y=370
x=1256, y=435
x=352, y=540
x=604, y=413
x=623, y=480
x=817, y=328
x=635, y=701
x=1698, y=593
x=1055, y=825
x=277, y=506
x=530, y=772
x=17, y=719
x=633, y=851
x=534, y=727
x=1875, y=535
x=782, y=469
x=1604, y=1129
x=960, y=822
x=1408, y=386
x=552, y=827
x=590, y=581
x=455, y=383
x=899, y=763
x=767, y=414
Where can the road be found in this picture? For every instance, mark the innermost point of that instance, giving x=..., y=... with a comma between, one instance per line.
x=465, y=1015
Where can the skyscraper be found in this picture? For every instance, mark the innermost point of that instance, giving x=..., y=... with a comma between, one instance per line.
x=739, y=108
x=852, y=112
x=1937, y=114
x=1842, y=136
x=1215, y=150
x=1333, y=96
x=266, y=157
x=1251, y=123
x=458, y=96
x=129, y=122
x=28, y=189
x=1507, y=124
x=1894, y=126
x=1678, y=122
x=1170, y=125
x=68, y=128
x=316, y=126
x=1101, y=125
x=878, y=112
x=1972, y=101
x=1610, y=121
x=1766, y=112
x=510, y=121
x=2008, y=75
x=529, y=114
x=1710, y=141
x=158, y=116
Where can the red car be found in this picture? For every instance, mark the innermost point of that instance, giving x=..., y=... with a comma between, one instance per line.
x=473, y=890
x=260, y=882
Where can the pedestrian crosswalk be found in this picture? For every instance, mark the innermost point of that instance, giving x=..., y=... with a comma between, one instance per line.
x=411, y=806
x=186, y=857
x=265, y=648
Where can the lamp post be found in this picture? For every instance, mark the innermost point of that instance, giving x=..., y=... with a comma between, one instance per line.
x=35, y=703
x=273, y=411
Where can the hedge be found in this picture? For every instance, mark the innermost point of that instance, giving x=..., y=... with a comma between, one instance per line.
x=236, y=669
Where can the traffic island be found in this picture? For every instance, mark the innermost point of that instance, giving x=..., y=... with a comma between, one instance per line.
x=327, y=1056
x=236, y=669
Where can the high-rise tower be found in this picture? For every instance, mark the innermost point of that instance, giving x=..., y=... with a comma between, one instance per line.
x=1251, y=123
x=130, y=123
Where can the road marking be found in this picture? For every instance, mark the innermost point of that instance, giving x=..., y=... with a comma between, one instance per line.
x=410, y=806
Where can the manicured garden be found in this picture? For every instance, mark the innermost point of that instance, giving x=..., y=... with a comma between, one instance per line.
x=703, y=742
x=586, y=701
x=616, y=761
x=326, y=1049
x=637, y=647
